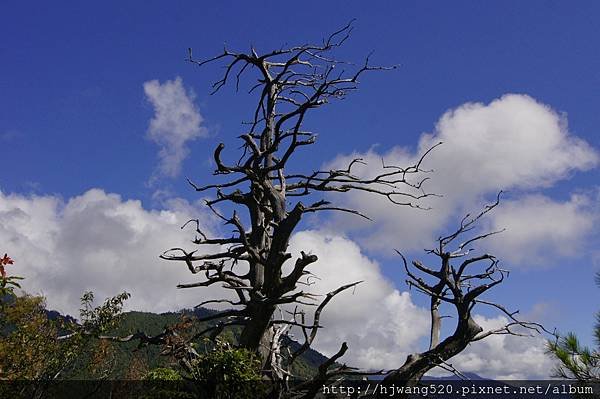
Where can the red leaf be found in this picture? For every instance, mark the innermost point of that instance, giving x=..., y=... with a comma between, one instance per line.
x=6, y=260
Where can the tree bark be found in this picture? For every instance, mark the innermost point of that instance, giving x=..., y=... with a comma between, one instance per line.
x=418, y=364
x=256, y=334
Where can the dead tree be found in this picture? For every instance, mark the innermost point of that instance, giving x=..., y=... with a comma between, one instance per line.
x=263, y=200
x=459, y=281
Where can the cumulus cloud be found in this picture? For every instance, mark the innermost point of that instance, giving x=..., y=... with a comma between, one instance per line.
x=513, y=143
x=100, y=242
x=538, y=228
x=176, y=121
x=505, y=357
x=379, y=323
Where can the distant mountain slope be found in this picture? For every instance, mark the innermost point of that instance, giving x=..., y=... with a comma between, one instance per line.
x=131, y=362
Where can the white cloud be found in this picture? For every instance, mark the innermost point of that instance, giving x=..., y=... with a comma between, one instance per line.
x=513, y=143
x=99, y=242
x=379, y=323
x=505, y=357
x=539, y=228
x=176, y=121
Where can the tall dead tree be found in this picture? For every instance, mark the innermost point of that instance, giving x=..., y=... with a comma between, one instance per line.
x=459, y=281
x=264, y=200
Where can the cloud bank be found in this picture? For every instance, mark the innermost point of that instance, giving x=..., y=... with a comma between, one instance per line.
x=100, y=242
x=379, y=323
x=505, y=357
x=176, y=121
x=539, y=228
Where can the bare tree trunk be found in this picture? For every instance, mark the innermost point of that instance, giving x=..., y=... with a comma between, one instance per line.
x=436, y=323
x=288, y=82
x=418, y=364
x=256, y=334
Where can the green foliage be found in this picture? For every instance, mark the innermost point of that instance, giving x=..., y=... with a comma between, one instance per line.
x=7, y=283
x=226, y=371
x=35, y=347
x=577, y=362
x=29, y=349
x=163, y=374
x=152, y=323
x=222, y=372
x=164, y=382
x=95, y=320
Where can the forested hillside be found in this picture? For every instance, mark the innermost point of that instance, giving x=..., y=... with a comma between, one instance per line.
x=128, y=361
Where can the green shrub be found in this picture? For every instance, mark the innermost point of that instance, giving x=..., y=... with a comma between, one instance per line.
x=226, y=371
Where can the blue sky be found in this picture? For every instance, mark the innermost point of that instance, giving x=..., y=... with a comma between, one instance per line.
x=75, y=115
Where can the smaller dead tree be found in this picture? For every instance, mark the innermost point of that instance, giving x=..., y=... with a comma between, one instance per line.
x=459, y=281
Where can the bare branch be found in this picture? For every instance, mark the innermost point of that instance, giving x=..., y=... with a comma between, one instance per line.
x=452, y=285
x=317, y=316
